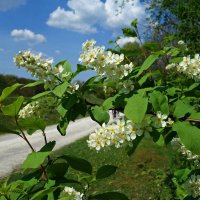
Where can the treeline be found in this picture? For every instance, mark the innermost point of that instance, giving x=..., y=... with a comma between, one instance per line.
x=8, y=80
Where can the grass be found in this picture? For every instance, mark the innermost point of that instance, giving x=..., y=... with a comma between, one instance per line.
x=144, y=175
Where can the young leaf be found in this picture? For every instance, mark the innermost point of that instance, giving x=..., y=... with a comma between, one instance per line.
x=109, y=196
x=134, y=23
x=105, y=171
x=13, y=109
x=136, y=108
x=60, y=90
x=78, y=164
x=147, y=63
x=189, y=135
x=34, y=160
x=9, y=90
x=99, y=115
x=33, y=84
x=129, y=32
x=41, y=95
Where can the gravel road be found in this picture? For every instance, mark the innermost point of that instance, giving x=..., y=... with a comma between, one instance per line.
x=13, y=149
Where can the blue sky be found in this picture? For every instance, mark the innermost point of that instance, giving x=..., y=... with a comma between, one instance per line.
x=57, y=28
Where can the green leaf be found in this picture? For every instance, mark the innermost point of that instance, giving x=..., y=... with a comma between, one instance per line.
x=195, y=116
x=33, y=84
x=66, y=65
x=5, y=129
x=147, y=63
x=182, y=174
x=182, y=108
x=109, y=196
x=136, y=108
x=13, y=109
x=62, y=126
x=109, y=102
x=172, y=91
x=134, y=23
x=105, y=171
x=99, y=115
x=9, y=90
x=189, y=135
x=135, y=143
x=48, y=147
x=41, y=95
x=147, y=75
x=78, y=164
x=193, y=86
x=159, y=102
x=60, y=89
x=34, y=160
x=39, y=195
x=80, y=68
x=32, y=124
x=129, y=32
x=58, y=169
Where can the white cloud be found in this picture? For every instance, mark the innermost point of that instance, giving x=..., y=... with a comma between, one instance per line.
x=84, y=15
x=9, y=4
x=124, y=40
x=28, y=36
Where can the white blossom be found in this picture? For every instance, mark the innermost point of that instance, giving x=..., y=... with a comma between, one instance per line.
x=72, y=193
x=193, y=186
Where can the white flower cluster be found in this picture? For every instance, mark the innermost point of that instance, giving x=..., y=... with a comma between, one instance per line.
x=72, y=194
x=176, y=142
x=41, y=68
x=40, y=108
x=160, y=120
x=117, y=133
x=193, y=186
x=105, y=63
x=188, y=66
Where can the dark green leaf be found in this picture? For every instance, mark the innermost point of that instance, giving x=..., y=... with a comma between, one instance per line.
x=136, y=108
x=32, y=124
x=159, y=102
x=48, y=147
x=62, y=126
x=135, y=143
x=58, y=169
x=105, y=171
x=13, y=109
x=78, y=164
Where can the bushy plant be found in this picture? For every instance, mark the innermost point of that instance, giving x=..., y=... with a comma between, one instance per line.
x=162, y=103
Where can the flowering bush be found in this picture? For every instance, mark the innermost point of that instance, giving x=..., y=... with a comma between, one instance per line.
x=162, y=103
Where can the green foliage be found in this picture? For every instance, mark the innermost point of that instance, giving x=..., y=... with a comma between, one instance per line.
x=163, y=104
x=13, y=109
x=136, y=108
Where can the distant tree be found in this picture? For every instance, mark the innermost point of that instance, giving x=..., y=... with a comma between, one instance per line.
x=178, y=17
